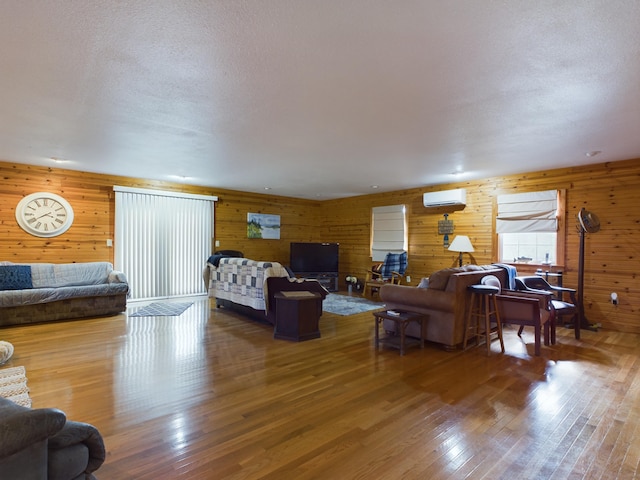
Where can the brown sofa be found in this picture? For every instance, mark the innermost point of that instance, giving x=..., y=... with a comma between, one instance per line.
x=445, y=300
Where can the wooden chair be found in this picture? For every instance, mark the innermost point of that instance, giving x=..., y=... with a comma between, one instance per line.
x=390, y=271
x=560, y=306
x=529, y=309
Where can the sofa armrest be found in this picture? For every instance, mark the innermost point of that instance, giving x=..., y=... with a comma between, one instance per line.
x=544, y=297
x=77, y=432
x=116, y=276
x=21, y=427
x=206, y=276
x=280, y=284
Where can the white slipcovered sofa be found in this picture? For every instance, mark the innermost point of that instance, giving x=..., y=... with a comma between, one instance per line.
x=40, y=292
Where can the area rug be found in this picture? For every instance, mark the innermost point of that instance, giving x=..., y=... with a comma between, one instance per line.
x=161, y=309
x=13, y=385
x=345, y=305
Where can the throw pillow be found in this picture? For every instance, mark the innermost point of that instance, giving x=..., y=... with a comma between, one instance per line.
x=6, y=351
x=439, y=279
x=15, y=277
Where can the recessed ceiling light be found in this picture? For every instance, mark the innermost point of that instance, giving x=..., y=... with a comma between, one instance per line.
x=593, y=153
x=267, y=188
x=59, y=160
x=374, y=186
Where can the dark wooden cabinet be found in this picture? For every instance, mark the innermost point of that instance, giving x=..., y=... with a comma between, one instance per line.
x=297, y=315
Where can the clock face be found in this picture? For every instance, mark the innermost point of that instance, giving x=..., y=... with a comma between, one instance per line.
x=44, y=214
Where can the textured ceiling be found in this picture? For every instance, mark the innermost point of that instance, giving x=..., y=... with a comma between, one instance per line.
x=319, y=99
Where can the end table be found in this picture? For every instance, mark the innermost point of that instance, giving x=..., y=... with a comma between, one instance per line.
x=297, y=315
x=402, y=319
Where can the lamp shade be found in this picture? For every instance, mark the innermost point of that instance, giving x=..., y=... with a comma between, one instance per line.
x=461, y=243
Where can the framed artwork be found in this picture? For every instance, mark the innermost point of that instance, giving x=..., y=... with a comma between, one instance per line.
x=260, y=225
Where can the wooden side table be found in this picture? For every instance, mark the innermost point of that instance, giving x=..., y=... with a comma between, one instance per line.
x=297, y=315
x=402, y=319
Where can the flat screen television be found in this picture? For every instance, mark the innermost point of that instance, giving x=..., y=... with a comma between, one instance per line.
x=308, y=258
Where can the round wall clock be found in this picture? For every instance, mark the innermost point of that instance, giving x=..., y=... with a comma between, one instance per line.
x=44, y=214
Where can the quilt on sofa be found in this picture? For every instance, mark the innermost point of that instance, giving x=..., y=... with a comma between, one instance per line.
x=243, y=281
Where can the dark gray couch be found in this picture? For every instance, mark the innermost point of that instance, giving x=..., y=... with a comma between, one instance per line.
x=42, y=444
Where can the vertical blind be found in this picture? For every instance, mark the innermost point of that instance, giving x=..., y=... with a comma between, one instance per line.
x=388, y=231
x=528, y=212
x=162, y=240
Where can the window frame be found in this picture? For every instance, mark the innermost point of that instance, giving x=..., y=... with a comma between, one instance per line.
x=394, y=248
x=560, y=234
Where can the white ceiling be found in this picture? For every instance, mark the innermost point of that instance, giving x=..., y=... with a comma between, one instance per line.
x=319, y=98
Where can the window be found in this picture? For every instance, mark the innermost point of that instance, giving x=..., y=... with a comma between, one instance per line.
x=527, y=227
x=388, y=231
x=540, y=247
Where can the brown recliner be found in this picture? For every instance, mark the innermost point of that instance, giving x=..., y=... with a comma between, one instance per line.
x=42, y=444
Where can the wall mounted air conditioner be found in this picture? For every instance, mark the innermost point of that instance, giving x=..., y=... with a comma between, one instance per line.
x=445, y=198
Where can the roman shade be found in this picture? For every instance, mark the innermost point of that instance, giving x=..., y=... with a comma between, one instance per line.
x=388, y=231
x=528, y=212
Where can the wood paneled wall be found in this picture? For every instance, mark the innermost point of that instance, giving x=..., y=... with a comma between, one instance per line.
x=610, y=190
x=93, y=202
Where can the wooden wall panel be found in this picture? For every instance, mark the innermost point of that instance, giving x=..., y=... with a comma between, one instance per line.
x=93, y=202
x=298, y=218
x=610, y=190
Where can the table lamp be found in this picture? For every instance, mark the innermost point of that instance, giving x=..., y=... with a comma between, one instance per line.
x=461, y=244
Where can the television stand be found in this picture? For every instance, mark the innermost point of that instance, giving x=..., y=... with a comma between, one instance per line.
x=328, y=280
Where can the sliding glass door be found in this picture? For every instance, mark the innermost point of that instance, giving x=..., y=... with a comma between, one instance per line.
x=162, y=241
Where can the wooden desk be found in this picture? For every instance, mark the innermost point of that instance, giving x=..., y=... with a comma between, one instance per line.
x=402, y=320
x=297, y=315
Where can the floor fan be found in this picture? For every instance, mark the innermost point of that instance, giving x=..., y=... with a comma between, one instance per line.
x=588, y=222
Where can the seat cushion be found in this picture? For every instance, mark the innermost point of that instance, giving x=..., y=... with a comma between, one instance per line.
x=563, y=307
x=68, y=462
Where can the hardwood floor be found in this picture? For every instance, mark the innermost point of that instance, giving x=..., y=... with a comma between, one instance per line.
x=211, y=395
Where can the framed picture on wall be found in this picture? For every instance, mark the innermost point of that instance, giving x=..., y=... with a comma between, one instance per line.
x=260, y=225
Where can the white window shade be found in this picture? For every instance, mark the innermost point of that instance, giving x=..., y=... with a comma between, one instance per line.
x=388, y=231
x=528, y=212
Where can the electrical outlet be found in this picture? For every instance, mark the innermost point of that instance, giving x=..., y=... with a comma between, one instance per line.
x=109, y=242
x=408, y=278
x=217, y=243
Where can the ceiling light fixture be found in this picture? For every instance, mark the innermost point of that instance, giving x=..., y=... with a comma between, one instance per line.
x=593, y=153
x=181, y=178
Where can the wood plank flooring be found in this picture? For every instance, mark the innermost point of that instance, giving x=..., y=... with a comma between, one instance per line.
x=211, y=395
